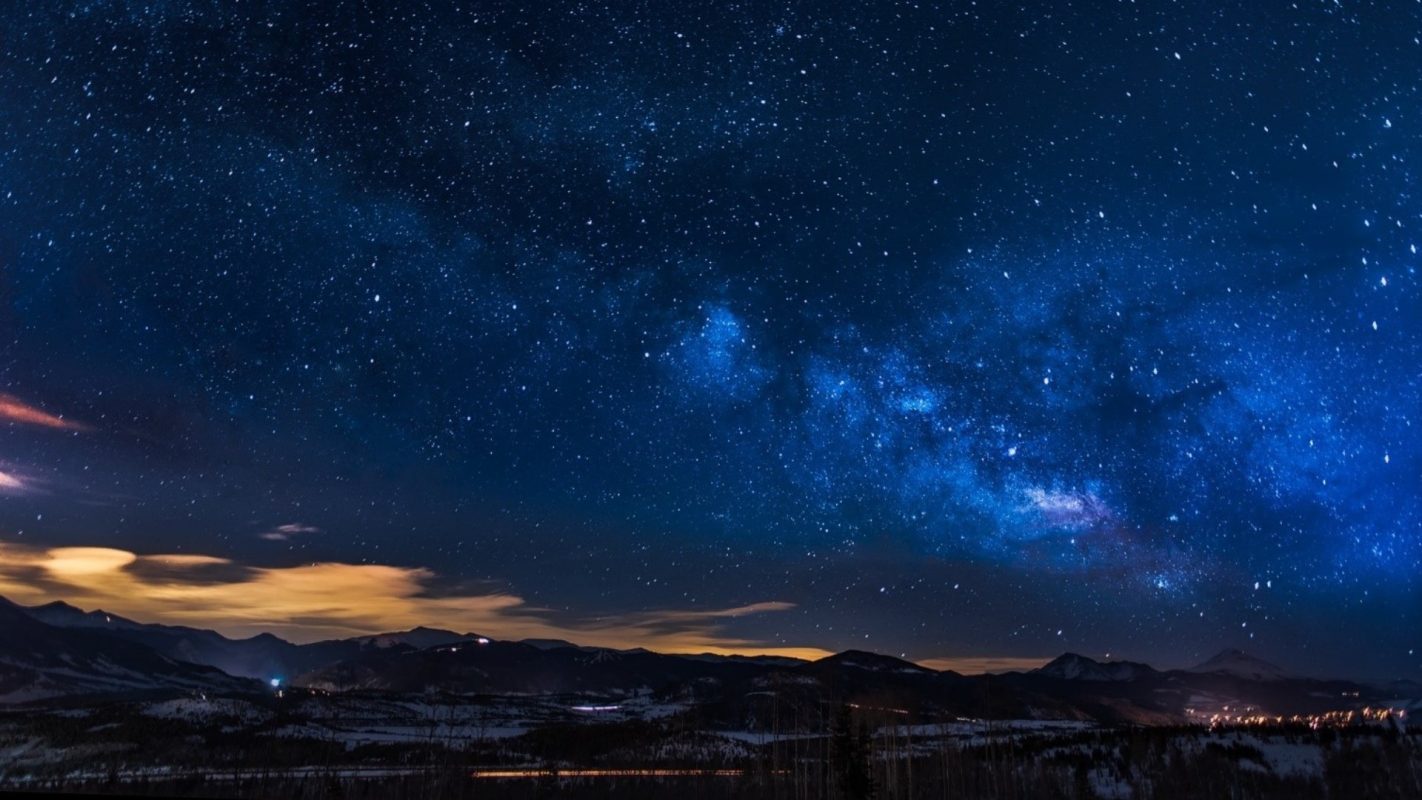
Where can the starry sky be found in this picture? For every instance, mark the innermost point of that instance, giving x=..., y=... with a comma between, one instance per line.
x=953, y=330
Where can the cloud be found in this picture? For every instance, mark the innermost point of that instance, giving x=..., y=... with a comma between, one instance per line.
x=15, y=410
x=282, y=533
x=11, y=483
x=327, y=600
x=82, y=562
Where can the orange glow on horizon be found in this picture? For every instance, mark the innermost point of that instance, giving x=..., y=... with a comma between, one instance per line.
x=978, y=665
x=316, y=601
x=327, y=600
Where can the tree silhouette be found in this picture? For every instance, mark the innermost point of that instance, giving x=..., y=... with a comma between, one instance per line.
x=850, y=757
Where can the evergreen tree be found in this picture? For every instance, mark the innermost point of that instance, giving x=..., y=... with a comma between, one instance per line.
x=850, y=753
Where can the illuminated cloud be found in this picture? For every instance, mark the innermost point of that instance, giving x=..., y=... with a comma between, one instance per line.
x=10, y=483
x=282, y=533
x=667, y=617
x=83, y=562
x=326, y=600
x=17, y=480
x=15, y=410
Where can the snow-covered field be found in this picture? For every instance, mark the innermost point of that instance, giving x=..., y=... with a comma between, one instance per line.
x=1278, y=754
x=354, y=720
x=356, y=736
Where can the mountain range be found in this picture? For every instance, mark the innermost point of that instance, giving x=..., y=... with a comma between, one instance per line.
x=40, y=660
x=57, y=651
x=262, y=657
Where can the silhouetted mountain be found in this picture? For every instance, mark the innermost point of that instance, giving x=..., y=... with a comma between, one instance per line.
x=1074, y=667
x=38, y=661
x=94, y=650
x=263, y=656
x=862, y=659
x=418, y=638
x=1403, y=694
x=551, y=644
x=509, y=667
x=1242, y=665
x=64, y=615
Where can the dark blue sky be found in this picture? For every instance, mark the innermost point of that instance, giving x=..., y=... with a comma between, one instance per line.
x=969, y=330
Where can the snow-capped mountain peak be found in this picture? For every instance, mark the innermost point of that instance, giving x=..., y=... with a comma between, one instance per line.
x=1240, y=664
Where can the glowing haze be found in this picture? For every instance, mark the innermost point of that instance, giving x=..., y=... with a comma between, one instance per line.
x=310, y=602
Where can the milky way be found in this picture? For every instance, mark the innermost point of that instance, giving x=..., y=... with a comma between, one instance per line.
x=966, y=330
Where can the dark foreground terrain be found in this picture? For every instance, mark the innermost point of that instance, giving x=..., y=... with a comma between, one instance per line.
x=385, y=748
x=90, y=702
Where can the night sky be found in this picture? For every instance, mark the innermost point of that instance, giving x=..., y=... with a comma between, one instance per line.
x=952, y=330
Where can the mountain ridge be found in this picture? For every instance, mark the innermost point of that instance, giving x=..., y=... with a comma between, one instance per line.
x=426, y=659
x=1233, y=661
x=40, y=661
x=1074, y=666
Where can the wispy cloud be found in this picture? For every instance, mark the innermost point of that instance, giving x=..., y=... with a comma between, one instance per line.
x=15, y=410
x=16, y=480
x=282, y=533
x=325, y=600
x=10, y=483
